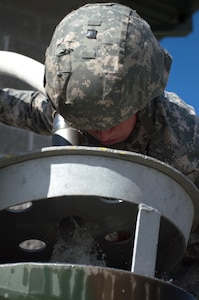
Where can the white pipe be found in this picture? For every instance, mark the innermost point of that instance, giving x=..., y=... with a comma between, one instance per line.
x=23, y=68
x=32, y=72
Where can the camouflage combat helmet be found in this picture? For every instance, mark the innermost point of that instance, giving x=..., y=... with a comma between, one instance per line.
x=103, y=65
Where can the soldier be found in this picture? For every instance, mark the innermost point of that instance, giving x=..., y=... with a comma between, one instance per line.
x=105, y=73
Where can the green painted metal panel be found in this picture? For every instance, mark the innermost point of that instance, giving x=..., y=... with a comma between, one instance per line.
x=34, y=281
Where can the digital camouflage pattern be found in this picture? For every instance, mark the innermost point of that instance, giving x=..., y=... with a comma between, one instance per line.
x=103, y=65
x=174, y=137
x=174, y=140
x=168, y=132
x=27, y=110
x=116, y=79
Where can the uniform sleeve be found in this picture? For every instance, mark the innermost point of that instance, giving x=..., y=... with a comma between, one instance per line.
x=26, y=110
x=178, y=126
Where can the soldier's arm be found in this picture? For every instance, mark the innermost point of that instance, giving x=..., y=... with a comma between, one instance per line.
x=181, y=135
x=193, y=155
x=27, y=110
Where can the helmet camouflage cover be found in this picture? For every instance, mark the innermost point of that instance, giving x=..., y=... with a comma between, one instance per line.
x=103, y=65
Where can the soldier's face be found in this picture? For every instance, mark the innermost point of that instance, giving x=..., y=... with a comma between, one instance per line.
x=115, y=134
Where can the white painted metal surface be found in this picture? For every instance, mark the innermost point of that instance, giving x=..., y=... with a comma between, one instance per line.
x=64, y=172
x=146, y=241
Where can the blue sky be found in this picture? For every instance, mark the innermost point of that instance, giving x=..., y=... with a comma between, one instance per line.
x=184, y=75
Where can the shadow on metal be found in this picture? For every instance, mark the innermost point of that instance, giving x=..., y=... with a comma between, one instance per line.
x=101, y=186
x=131, y=207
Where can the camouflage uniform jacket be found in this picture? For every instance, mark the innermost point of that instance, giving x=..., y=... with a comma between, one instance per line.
x=168, y=129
